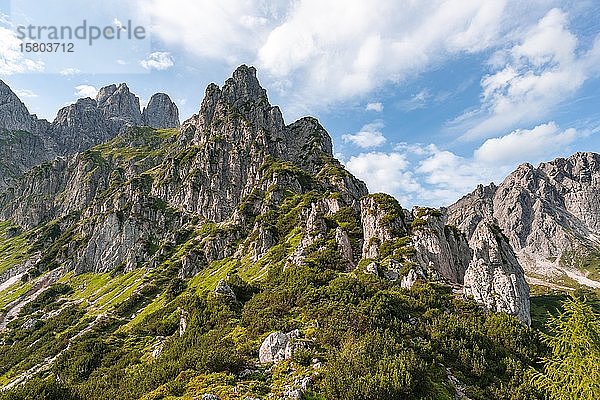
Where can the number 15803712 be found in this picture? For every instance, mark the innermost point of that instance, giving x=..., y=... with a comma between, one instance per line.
x=47, y=47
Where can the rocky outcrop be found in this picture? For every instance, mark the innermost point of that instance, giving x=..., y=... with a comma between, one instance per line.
x=494, y=277
x=14, y=116
x=278, y=346
x=409, y=280
x=118, y=104
x=223, y=290
x=21, y=144
x=439, y=246
x=78, y=127
x=549, y=213
x=245, y=146
x=19, y=152
x=382, y=219
x=424, y=246
x=160, y=112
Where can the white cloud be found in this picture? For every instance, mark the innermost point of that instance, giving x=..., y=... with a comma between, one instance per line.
x=533, y=77
x=420, y=174
x=227, y=30
x=534, y=144
x=377, y=107
x=159, y=60
x=369, y=136
x=25, y=93
x=12, y=60
x=451, y=176
x=86, y=91
x=315, y=60
x=371, y=43
x=385, y=172
x=70, y=71
x=417, y=101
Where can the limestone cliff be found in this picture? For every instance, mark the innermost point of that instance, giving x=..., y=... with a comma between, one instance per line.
x=550, y=214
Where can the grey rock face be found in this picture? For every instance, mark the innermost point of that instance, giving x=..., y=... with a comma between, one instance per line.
x=78, y=127
x=486, y=264
x=277, y=346
x=241, y=136
x=160, y=112
x=13, y=113
x=119, y=104
x=546, y=212
x=494, y=277
x=26, y=141
x=441, y=247
x=20, y=151
x=382, y=220
x=21, y=146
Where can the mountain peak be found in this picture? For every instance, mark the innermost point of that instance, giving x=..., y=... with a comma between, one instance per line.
x=241, y=96
x=117, y=102
x=549, y=213
x=243, y=86
x=13, y=113
x=161, y=112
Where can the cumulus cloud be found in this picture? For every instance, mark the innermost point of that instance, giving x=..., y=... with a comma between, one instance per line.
x=377, y=107
x=374, y=42
x=159, y=60
x=69, y=71
x=315, y=60
x=543, y=69
x=25, y=93
x=369, y=136
x=385, y=172
x=228, y=30
x=86, y=91
x=523, y=144
x=12, y=60
x=418, y=174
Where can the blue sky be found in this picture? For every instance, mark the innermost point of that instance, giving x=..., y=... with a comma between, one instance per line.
x=424, y=100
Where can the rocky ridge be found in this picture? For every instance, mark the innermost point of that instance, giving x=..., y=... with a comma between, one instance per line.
x=157, y=230
x=549, y=213
x=236, y=164
x=28, y=141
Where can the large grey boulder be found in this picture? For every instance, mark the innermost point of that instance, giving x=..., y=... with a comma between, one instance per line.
x=278, y=346
x=224, y=290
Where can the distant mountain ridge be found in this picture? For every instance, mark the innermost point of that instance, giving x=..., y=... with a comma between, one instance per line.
x=28, y=141
x=550, y=213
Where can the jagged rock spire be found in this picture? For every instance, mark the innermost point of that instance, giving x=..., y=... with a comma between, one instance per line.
x=161, y=112
x=117, y=102
x=13, y=113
